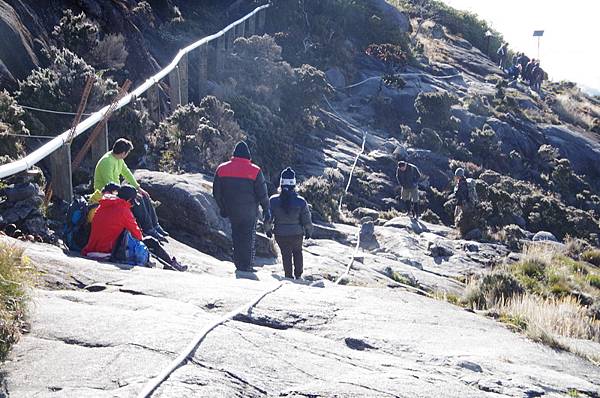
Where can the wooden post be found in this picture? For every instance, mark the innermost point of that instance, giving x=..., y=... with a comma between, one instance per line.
x=220, y=57
x=230, y=34
x=262, y=17
x=100, y=145
x=251, y=25
x=174, y=88
x=241, y=29
x=184, y=79
x=202, y=70
x=60, y=167
x=153, y=97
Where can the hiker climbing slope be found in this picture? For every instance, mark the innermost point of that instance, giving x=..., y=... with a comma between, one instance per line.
x=239, y=187
x=408, y=177
x=292, y=223
x=110, y=168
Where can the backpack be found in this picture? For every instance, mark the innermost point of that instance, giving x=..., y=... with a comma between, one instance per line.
x=129, y=250
x=472, y=184
x=76, y=230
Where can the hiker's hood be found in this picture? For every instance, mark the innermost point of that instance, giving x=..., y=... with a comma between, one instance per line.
x=113, y=201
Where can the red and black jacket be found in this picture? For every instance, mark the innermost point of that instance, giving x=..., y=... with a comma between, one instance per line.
x=239, y=187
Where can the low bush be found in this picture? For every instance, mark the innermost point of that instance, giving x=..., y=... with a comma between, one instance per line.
x=15, y=281
x=323, y=193
x=197, y=138
x=434, y=109
x=592, y=257
x=11, y=122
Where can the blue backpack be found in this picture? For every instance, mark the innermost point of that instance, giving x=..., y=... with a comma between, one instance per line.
x=129, y=250
x=76, y=230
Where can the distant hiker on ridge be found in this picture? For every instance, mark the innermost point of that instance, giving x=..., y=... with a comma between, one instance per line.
x=502, y=55
x=292, y=222
x=110, y=168
x=239, y=187
x=408, y=177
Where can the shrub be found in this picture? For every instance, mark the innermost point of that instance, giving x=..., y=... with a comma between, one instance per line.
x=427, y=139
x=394, y=58
x=493, y=288
x=76, y=32
x=110, y=53
x=256, y=70
x=11, y=122
x=15, y=276
x=271, y=140
x=60, y=87
x=197, y=138
x=485, y=146
x=434, y=108
x=431, y=217
x=323, y=193
x=306, y=90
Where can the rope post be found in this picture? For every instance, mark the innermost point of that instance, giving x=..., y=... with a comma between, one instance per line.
x=174, y=88
x=220, y=57
x=262, y=18
x=60, y=167
x=251, y=25
x=184, y=80
x=202, y=70
x=230, y=39
x=153, y=97
x=100, y=145
x=240, y=30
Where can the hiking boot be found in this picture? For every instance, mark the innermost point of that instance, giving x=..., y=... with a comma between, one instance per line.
x=248, y=269
x=156, y=235
x=176, y=266
x=161, y=231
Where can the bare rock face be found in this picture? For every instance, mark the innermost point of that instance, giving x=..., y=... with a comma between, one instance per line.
x=17, y=49
x=392, y=13
x=115, y=329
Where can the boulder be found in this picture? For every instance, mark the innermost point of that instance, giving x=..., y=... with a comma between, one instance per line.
x=16, y=50
x=544, y=236
x=189, y=212
x=335, y=77
x=392, y=14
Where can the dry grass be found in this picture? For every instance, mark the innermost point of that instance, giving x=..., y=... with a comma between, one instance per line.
x=553, y=316
x=575, y=108
x=15, y=279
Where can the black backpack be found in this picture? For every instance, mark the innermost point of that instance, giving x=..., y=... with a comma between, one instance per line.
x=76, y=231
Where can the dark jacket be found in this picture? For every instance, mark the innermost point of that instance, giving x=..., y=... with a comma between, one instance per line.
x=408, y=178
x=239, y=187
x=461, y=192
x=296, y=222
x=112, y=217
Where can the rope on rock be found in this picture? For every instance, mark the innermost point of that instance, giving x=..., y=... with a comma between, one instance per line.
x=354, y=255
x=155, y=382
x=362, y=150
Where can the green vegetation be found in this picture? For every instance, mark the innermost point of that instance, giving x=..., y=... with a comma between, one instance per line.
x=196, y=138
x=323, y=193
x=15, y=279
x=11, y=122
x=433, y=109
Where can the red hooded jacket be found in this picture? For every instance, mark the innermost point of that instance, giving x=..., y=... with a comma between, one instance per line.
x=112, y=217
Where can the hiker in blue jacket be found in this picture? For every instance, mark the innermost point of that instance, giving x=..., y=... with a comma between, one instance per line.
x=291, y=223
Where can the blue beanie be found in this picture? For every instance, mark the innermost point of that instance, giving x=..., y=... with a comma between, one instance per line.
x=241, y=150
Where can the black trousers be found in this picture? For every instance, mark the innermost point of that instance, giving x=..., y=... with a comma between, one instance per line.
x=157, y=249
x=291, y=249
x=243, y=230
x=144, y=213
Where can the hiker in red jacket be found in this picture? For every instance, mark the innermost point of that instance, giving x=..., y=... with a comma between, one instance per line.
x=239, y=187
x=112, y=218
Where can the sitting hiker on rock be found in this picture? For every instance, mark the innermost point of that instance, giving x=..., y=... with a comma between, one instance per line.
x=109, y=189
x=239, y=187
x=110, y=168
x=112, y=220
x=408, y=176
x=292, y=222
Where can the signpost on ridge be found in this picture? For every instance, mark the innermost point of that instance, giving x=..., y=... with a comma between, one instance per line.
x=538, y=34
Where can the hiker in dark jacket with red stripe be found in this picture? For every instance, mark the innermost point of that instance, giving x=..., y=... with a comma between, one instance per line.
x=239, y=187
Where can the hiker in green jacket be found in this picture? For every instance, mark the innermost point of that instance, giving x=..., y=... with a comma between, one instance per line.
x=110, y=168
